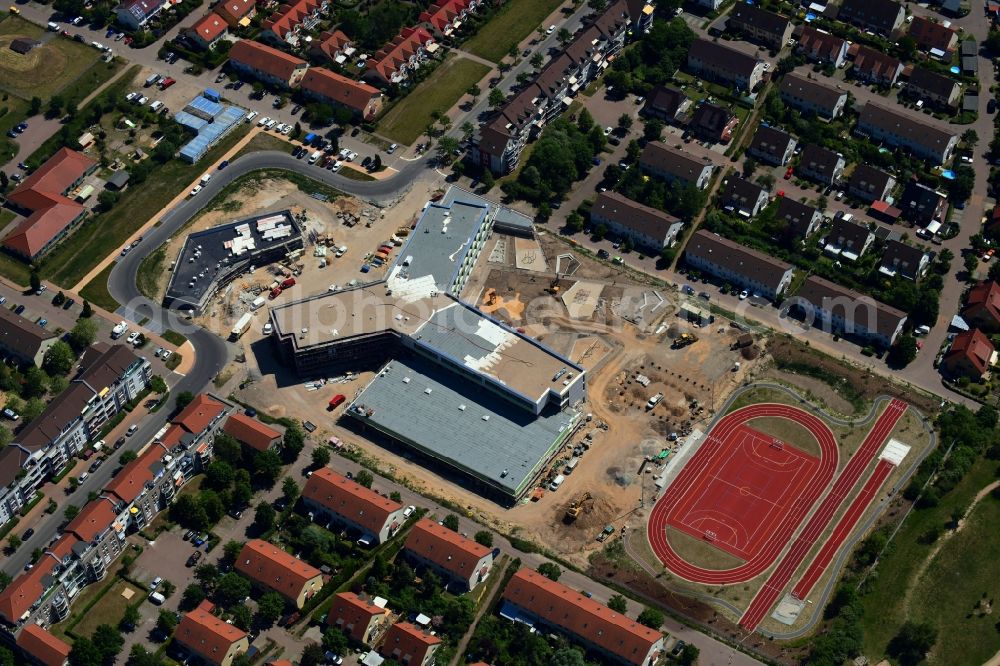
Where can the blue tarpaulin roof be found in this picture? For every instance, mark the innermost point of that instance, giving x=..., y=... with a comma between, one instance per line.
x=209, y=132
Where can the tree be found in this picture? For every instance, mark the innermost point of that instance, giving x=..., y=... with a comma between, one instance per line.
x=364, y=478
x=263, y=517
x=549, y=570
x=321, y=457
x=971, y=262
x=34, y=281
x=219, y=475
x=206, y=574
x=289, y=489
x=585, y=121
x=184, y=399
x=564, y=36
x=231, y=589
x=488, y=180
x=618, y=603
x=653, y=130
x=55, y=107
x=109, y=643
x=484, y=538
x=13, y=542
x=335, y=641
x=313, y=654
x=241, y=494
x=467, y=129
x=567, y=656
x=167, y=589
x=231, y=551
x=157, y=385
x=189, y=512
x=912, y=643
x=87, y=312
x=107, y=200
x=193, y=595
x=625, y=122
x=267, y=467
x=992, y=42
x=689, y=655
x=451, y=522
x=228, y=449
x=71, y=512
x=36, y=106
x=651, y=618
x=140, y=656
x=496, y=97
x=130, y=619
x=5, y=580
x=84, y=653
x=242, y=618
x=82, y=335
x=269, y=608
x=474, y=90
x=575, y=221
x=212, y=505
x=126, y=457
x=447, y=145
x=903, y=352
x=970, y=137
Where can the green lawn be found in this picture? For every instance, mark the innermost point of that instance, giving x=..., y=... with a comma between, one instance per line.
x=105, y=233
x=96, y=291
x=406, y=121
x=109, y=609
x=948, y=594
x=514, y=21
x=264, y=141
x=44, y=70
x=882, y=603
x=149, y=273
x=354, y=174
x=90, y=80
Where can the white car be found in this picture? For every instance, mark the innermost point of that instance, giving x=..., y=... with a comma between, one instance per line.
x=166, y=354
x=286, y=130
x=131, y=96
x=142, y=100
x=744, y=294
x=263, y=121
x=132, y=337
x=392, y=149
x=267, y=328
x=196, y=190
x=271, y=123
x=337, y=165
x=607, y=131
x=550, y=29
x=351, y=156
x=408, y=511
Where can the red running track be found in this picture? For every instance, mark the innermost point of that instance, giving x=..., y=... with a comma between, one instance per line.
x=843, y=528
x=716, y=445
x=769, y=593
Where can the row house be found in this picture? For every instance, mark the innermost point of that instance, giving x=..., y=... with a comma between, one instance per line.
x=459, y=560
x=934, y=89
x=674, y=165
x=822, y=47
x=328, y=87
x=743, y=198
x=207, y=31
x=812, y=97
x=333, y=45
x=870, y=184
x=393, y=64
x=210, y=638
x=821, y=165
x=841, y=311
x=643, y=226
x=363, y=619
x=880, y=16
x=266, y=64
x=342, y=500
x=934, y=37
x=272, y=568
x=921, y=204
x=724, y=64
x=237, y=13
x=900, y=130
x=772, y=146
x=876, y=67
x=533, y=599
x=446, y=16
x=847, y=239
x=110, y=378
x=406, y=643
x=285, y=25
x=194, y=428
x=982, y=306
x=502, y=139
x=760, y=26
x=800, y=220
x=738, y=265
x=971, y=355
x=666, y=103
x=712, y=122
x=902, y=260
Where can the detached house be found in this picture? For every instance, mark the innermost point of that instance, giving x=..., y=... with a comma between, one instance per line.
x=809, y=96
x=881, y=16
x=739, y=265
x=209, y=29
x=458, y=559
x=846, y=239
x=726, y=65
x=396, y=60
x=237, y=12
x=267, y=65
x=801, y=220
x=409, y=644
x=932, y=36
x=328, y=87
x=971, y=355
x=645, y=227
x=870, y=184
x=40, y=647
x=906, y=261
x=841, y=311
x=822, y=47
x=760, y=26
x=926, y=141
x=922, y=205
x=330, y=494
x=712, y=122
x=821, y=165
x=876, y=67
x=674, y=166
x=665, y=103
x=251, y=433
x=272, y=568
x=772, y=146
x=744, y=198
x=934, y=89
x=982, y=307
x=24, y=341
x=210, y=638
x=134, y=14
x=359, y=617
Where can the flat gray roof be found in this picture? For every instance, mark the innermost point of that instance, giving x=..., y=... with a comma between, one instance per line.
x=453, y=419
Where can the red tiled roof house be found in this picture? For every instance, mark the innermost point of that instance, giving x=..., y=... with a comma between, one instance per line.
x=982, y=307
x=266, y=64
x=532, y=598
x=252, y=433
x=51, y=214
x=331, y=88
x=394, y=62
x=446, y=16
x=285, y=24
x=208, y=637
x=971, y=355
x=330, y=494
x=410, y=645
x=269, y=566
x=359, y=618
x=209, y=29
x=457, y=558
x=41, y=647
x=237, y=12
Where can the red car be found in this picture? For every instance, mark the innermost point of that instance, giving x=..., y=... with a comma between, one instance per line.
x=788, y=174
x=336, y=401
x=166, y=83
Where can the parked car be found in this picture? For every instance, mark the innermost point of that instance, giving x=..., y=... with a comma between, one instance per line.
x=193, y=559
x=28, y=533
x=131, y=430
x=155, y=583
x=187, y=535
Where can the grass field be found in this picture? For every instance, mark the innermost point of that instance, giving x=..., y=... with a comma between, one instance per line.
x=515, y=21
x=45, y=70
x=406, y=121
x=102, y=235
x=90, y=80
x=96, y=291
x=109, y=609
x=354, y=174
x=149, y=273
x=264, y=141
x=944, y=604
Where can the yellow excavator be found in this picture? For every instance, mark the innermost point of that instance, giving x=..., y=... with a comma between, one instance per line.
x=685, y=339
x=574, y=509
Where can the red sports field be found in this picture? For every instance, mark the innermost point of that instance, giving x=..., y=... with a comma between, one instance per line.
x=739, y=499
x=726, y=489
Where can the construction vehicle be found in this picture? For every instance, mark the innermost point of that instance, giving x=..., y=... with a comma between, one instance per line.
x=576, y=507
x=685, y=339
